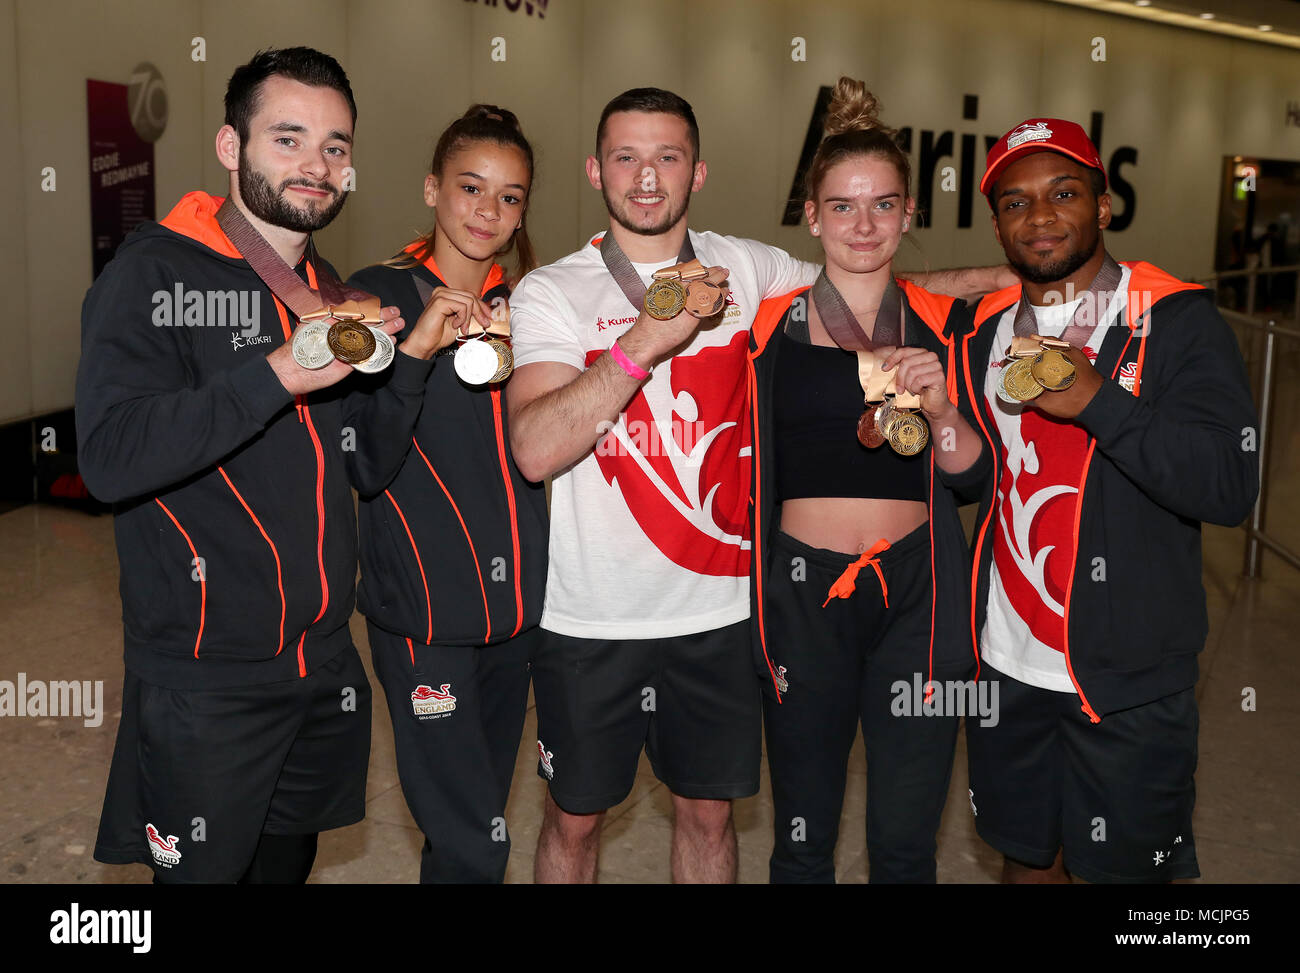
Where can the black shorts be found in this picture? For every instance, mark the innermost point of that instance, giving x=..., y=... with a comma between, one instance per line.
x=198, y=776
x=691, y=702
x=1116, y=795
x=458, y=714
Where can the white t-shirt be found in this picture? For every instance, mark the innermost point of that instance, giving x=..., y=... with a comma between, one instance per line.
x=649, y=532
x=1033, y=543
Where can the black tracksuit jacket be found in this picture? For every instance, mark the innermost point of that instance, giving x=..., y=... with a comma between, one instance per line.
x=453, y=538
x=233, y=514
x=1176, y=451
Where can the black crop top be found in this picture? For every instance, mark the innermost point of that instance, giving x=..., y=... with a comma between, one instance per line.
x=816, y=403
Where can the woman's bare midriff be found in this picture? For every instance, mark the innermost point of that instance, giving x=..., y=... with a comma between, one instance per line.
x=850, y=525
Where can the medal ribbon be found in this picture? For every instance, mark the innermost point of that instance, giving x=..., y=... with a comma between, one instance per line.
x=280, y=277
x=625, y=275
x=843, y=327
x=1093, y=307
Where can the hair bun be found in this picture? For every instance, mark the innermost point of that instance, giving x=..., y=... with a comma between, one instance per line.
x=493, y=113
x=853, y=108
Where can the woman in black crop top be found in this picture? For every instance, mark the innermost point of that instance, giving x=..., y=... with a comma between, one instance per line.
x=860, y=574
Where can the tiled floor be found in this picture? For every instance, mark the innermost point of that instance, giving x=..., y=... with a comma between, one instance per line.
x=60, y=619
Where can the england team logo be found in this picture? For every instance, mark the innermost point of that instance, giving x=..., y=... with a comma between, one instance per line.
x=429, y=702
x=1128, y=376
x=545, y=756
x=781, y=683
x=163, y=849
x=1028, y=133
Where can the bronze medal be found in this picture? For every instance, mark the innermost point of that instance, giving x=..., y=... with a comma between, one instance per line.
x=350, y=342
x=665, y=299
x=868, y=432
x=704, y=299
x=1052, y=370
x=908, y=434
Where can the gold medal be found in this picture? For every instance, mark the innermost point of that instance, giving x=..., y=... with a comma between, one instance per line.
x=1052, y=370
x=908, y=434
x=1018, y=380
x=350, y=342
x=505, y=359
x=665, y=299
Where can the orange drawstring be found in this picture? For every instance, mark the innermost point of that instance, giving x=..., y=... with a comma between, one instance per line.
x=846, y=583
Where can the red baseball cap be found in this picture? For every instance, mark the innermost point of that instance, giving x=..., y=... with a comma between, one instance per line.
x=1041, y=135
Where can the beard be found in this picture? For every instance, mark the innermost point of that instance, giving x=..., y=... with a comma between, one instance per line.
x=1058, y=269
x=270, y=205
x=623, y=219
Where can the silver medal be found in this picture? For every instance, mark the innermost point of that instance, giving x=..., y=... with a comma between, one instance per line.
x=1001, y=388
x=383, y=356
x=310, y=347
x=476, y=362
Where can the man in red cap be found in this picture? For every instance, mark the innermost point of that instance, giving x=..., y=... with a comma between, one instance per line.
x=1112, y=445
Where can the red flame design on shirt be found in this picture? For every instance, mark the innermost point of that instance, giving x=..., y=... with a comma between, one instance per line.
x=689, y=492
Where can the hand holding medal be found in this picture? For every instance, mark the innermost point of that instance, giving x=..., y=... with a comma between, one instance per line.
x=484, y=355
x=891, y=415
x=450, y=316
x=314, y=364
x=1036, y=365
x=337, y=323
x=691, y=287
x=349, y=332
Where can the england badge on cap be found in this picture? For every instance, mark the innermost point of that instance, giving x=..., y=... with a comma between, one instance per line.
x=1028, y=132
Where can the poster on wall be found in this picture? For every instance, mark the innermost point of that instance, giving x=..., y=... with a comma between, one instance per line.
x=124, y=122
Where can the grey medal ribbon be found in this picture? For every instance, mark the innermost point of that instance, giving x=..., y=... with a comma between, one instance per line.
x=625, y=275
x=1092, y=310
x=842, y=325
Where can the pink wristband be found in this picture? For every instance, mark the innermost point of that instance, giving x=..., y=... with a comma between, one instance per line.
x=627, y=364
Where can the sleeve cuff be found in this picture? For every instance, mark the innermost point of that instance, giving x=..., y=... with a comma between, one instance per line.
x=1108, y=411
x=410, y=373
x=971, y=477
x=551, y=355
x=260, y=389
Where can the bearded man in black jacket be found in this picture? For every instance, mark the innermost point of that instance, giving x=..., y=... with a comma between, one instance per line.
x=246, y=711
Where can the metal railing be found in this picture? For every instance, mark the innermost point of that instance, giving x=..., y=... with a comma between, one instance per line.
x=1252, y=276
x=1256, y=537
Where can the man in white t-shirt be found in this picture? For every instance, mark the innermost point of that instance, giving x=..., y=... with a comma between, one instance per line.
x=646, y=638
